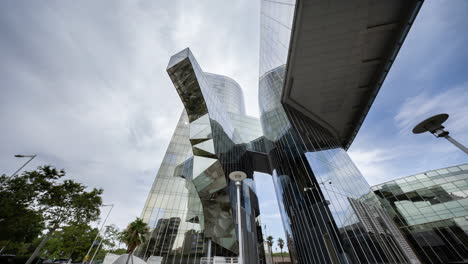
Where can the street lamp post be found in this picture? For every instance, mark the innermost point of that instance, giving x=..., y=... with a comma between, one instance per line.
x=434, y=125
x=99, y=245
x=238, y=177
x=13, y=175
x=31, y=157
x=97, y=235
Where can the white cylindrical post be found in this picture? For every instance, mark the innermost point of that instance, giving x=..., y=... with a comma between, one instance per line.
x=209, y=251
x=239, y=222
x=238, y=177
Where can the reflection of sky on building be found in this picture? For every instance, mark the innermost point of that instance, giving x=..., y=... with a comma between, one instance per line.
x=248, y=128
x=279, y=196
x=338, y=178
x=250, y=183
x=276, y=19
x=315, y=180
x=228, y=91
x=431, y=208
x=438, y=195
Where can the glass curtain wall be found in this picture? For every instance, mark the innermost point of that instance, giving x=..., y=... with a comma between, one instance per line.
x=192, y=203
x=329, y=213
x=173, y=209
x=431, y=209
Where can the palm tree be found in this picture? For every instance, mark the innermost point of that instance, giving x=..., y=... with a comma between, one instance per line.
x=134, y=235
x=269, y=240
x=280, y=243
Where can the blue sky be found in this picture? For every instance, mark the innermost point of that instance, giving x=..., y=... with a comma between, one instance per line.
x=84, y=86
x=430, y=76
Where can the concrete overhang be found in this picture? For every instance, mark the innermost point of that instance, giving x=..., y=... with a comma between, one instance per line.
x=340, y=54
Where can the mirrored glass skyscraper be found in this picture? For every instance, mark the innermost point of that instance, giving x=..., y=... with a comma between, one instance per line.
x=191, y=206
x=321, y=66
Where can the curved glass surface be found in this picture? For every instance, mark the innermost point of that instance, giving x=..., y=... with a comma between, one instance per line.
x=228, y=92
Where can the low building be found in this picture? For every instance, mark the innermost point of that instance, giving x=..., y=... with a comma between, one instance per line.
x=431, y=210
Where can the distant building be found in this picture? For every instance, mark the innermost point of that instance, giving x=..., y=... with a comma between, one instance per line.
x=163, y=236
x=431, y=210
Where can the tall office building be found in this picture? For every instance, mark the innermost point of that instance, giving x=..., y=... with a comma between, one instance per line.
x=191, y=205
x=321, y=66
x=431, y=210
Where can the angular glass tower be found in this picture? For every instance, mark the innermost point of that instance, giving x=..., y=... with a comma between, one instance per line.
x=431, y=210
x=191, y=206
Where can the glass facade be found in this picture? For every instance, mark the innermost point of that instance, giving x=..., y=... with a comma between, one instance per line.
x=191, y=209
x=329, y=212
x=431, y=210
x=228, y=92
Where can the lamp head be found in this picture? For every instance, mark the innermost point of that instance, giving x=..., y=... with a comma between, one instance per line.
x=431, y=124
x=24, y=156
x=237, y=176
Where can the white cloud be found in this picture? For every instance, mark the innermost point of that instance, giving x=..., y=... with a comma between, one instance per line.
x=85, y=86
x=452, y=101
x=384, y=157
x=374, y=163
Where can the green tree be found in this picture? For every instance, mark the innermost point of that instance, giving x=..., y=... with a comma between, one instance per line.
x=134, y=235
x=269, y=240
x=71, y=242
x=280, y=243
x=108, y=242
x=113, y=236
x=19, y=223
x=60, y=202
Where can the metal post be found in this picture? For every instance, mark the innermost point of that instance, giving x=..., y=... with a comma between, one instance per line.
x=26, y=163
x=456, y=143
x=97, y=250
x=239, y=221
x=209, y=251
x=238, y=177
x=98, y=247
x=434, y=125
x=97, y=235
